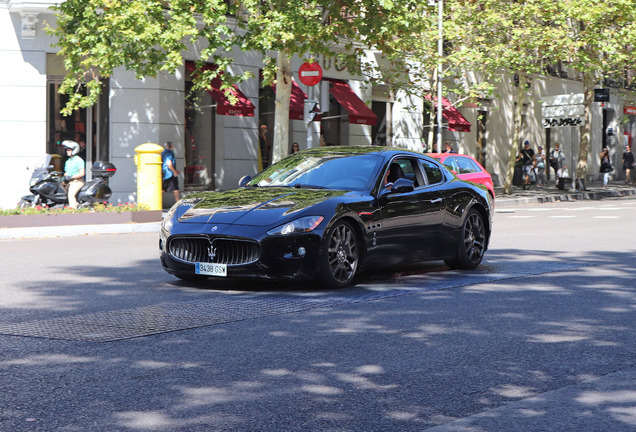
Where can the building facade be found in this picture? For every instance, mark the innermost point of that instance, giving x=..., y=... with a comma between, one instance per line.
x=217, y=143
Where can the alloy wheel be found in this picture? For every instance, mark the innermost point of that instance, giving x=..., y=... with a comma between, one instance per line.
x=343, y=254
x=474, y=237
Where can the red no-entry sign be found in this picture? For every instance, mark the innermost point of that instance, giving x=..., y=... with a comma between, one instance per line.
x=310, y=74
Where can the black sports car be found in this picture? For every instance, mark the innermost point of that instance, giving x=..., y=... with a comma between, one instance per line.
x=328, y=213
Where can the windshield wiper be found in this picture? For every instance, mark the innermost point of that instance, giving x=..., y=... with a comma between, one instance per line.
x=307, y=186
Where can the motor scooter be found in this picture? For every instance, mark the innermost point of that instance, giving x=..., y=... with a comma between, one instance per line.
x=47, y=190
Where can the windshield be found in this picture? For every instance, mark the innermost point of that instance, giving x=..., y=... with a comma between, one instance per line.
x=44, y=162
x=332, y=171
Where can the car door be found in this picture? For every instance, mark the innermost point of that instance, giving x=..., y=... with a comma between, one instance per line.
x=410, y=220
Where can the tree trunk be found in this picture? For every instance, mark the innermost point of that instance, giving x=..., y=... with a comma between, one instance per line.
x=281, y=116
x=584, y=144
x=514, y=144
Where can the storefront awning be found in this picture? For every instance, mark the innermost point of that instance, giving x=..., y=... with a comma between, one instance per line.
x=296, y=102
x=456, y=121
x=242, y=107
x=359, y=112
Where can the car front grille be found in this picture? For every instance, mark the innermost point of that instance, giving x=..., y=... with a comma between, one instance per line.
x=215, y=250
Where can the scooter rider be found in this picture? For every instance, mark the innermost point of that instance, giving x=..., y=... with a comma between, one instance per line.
x=74, y=171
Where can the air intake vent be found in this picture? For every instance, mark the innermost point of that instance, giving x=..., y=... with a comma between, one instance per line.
x=216, y=250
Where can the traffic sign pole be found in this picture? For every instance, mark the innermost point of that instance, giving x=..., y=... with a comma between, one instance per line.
x=310, y=104
x=310, y=74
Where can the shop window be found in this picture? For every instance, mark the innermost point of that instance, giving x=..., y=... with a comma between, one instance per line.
x=266, y=110
x=331, y=124
x=86, y=126
x=199, y=155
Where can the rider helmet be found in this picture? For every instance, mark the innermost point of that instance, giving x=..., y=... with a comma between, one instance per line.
x=71, y=145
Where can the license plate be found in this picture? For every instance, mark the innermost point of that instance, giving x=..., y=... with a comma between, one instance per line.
x=209, y=269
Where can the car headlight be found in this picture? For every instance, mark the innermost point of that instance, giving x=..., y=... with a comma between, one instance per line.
x=168, y=219
x=184, y=205
x=302, y=225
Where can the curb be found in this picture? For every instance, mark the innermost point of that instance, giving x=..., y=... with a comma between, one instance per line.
x=562, y=197
x=78, y=230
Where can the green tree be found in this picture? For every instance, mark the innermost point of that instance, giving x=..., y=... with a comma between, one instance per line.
x=97, y=36
x=510, y=37
x=599, y=44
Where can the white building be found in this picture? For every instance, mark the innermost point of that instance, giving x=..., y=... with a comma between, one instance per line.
x=217, y=144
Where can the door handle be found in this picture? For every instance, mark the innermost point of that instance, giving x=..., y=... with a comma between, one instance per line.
x=436, y=200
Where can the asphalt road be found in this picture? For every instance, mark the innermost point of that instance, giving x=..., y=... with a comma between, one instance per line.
x=94, y=336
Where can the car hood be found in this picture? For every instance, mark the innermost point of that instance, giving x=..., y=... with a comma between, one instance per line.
x=253, y=206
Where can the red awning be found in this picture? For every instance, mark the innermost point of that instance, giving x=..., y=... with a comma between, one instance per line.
x=296, y=102
x=242, y=107
x=359, y=112
x=456, y=121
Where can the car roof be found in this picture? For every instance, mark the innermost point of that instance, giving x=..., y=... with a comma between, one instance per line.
x=359, y=150
x=445, y=155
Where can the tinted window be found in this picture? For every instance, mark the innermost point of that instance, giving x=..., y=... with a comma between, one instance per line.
x=466, y=166
x=432, y=171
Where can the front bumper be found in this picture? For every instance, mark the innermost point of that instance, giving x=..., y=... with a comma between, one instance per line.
x=291, y=257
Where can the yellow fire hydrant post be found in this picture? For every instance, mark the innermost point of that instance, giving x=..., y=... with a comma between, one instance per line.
x=148, y=161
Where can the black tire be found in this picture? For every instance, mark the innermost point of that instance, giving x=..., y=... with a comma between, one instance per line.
x=340, y=256
x=472, y=242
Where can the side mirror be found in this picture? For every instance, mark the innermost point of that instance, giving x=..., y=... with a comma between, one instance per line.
x=403, y=185
x=243, y=180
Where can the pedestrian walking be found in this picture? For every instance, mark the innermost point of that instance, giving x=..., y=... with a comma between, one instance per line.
x=527, y=154
x=263, y=142
x=539, y=160
x=557, y=159
x=606, y=166
x=170, y=171
x=628, y=164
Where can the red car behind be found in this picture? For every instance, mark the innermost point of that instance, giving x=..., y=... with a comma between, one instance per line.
x=466, y=168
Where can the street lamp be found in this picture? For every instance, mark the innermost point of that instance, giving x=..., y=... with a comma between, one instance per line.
x=440, y=69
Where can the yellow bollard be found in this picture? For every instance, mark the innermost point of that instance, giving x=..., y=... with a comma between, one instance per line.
x=149, y=177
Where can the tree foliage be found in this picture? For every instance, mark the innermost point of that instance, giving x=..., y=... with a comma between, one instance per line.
x=523, y=37
x=491, y=37
x=97, y=36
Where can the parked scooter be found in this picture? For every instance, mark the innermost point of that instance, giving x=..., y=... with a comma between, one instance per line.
x=47, y=190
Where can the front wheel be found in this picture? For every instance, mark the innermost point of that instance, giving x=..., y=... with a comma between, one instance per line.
x=472, y=242
x=26, y=203
x=340, y=256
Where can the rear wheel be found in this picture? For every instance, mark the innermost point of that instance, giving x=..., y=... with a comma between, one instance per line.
x=472, y=245
x=340, y=256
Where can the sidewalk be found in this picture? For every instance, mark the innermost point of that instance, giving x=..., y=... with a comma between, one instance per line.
x=535, y=194
x=550, y=193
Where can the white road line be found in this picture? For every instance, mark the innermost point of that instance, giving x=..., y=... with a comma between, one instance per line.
x=520, y=217
x=605, y=217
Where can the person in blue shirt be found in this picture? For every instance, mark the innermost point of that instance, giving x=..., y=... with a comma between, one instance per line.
x=74, y=171
x=170, y=171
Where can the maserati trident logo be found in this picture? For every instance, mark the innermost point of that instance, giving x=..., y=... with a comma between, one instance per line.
x=212, y=253
x=214, y=228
